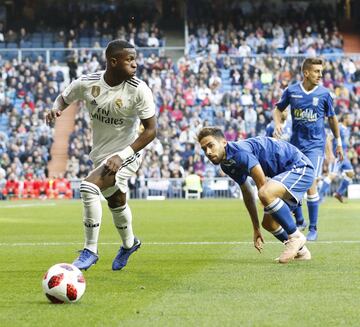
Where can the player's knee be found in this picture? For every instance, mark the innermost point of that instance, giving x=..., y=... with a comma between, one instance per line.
x=116, y=200
x=89, y=191
x=264, y=194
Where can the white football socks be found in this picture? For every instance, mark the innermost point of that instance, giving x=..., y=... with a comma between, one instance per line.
x=90, y=194
x=122, y=218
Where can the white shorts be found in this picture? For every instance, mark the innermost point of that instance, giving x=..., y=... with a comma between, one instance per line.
x=127, y=170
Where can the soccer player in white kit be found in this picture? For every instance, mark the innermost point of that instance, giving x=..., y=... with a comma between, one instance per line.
x=117, y=101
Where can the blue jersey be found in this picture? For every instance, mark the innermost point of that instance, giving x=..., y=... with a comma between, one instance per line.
x=287, y=130
x=345, y=137
x=274, y=157
x=308, y=111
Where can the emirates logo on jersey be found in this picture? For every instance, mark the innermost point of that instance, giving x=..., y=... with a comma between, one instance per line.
x=118, y=103
x=95, y=91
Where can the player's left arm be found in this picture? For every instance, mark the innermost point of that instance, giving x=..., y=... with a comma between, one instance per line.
x=145, y=108
x=113, y=164
x=334, y=126
x=148, y=134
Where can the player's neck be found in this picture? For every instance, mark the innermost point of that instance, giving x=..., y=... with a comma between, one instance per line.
x=112, y=79
x=308, y=86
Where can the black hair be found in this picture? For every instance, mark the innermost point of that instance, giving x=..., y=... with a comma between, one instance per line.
x=115, y=46
x=211, y=131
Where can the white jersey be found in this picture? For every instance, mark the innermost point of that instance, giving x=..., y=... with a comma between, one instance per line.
x=114, y=111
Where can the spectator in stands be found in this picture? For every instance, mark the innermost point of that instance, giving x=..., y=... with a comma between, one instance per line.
x=62, y=188
x=11, y=189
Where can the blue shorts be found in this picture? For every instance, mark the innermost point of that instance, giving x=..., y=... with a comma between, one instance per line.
x=317, y=160
x=341, y=166
x=297, y=180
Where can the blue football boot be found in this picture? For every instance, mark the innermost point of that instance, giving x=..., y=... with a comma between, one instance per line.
x=86, y=259
x=123, y=255
x=312, y=235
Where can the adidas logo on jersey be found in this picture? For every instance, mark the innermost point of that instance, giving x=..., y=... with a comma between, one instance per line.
x=93, y=102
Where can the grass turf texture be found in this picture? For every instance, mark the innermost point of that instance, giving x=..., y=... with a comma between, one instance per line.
x=178, y=284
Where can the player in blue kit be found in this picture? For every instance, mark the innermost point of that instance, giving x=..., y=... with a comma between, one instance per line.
x=286, y=127
x=291, y=174
x=336, y=168
x=286, y=135
x=309, y=103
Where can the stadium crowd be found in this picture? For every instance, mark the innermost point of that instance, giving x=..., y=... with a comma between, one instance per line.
x=80, y=25
x=257, y=27
x=236, y=93
x=205, y=87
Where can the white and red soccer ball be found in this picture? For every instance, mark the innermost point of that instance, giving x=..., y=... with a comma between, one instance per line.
x=64, y=283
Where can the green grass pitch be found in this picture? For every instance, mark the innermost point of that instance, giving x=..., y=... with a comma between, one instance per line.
x=197, y=267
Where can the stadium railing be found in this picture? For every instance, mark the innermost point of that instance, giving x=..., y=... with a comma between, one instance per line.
x=173, y=188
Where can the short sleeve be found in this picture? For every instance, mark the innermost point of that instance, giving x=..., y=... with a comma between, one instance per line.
x=269, y=131
x=329, y=105
x=145, y=105
x=241, y=168
x=284, y=101
x=235, y=174
x=247, y=161
x=73, y=92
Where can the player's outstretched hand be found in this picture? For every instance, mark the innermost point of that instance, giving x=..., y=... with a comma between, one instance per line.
x=278, y=131
x=51, y=116
x=258, y=240
x=340, y=153
x=112, y=165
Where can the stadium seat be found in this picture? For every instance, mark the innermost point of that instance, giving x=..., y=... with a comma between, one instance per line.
x=193, y=188
x=11, y=45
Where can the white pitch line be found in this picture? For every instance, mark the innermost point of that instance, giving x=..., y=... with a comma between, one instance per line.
x=27, y=205
x=167, y=243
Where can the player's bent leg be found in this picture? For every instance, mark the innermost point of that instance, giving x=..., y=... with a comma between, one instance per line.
x=271, y=195
x=122, y=218
x=345, y=182
x=274, y=228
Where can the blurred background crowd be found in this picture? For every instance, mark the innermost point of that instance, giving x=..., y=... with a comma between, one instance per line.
x=231, y=74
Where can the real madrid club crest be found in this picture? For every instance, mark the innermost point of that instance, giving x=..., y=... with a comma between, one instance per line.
x=315, y=101
x=118, y=103
x=95, y=91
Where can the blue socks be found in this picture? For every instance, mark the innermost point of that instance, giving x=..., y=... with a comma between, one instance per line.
x=325, y=187
x=313, y=208
x=280, y=234
x=343, y=185
x=298, y=215
x=280, y=211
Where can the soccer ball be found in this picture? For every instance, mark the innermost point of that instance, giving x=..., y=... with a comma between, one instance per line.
x=64, y=282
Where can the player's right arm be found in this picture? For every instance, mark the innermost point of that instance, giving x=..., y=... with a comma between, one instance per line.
x=71, y=93
x=280, y=106
x=278, y=130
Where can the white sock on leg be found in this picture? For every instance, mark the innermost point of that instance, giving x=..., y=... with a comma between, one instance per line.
x=90, y=194
x=122, y=218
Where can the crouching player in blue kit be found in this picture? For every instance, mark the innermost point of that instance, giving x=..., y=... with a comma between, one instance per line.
x=286, y=127
x=309, y=103
x=336, y=168
x=291, y=174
